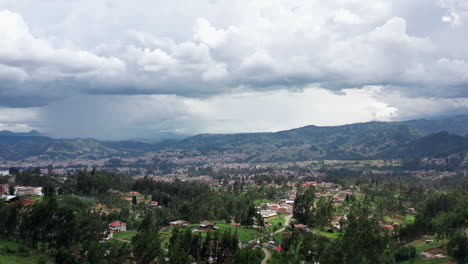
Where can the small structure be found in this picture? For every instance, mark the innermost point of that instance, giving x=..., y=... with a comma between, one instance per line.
x=267, y=214
x=206, y=224
x=118, y=226
x=23, y=191
x=300, y=226
x=388, y=227
x=179, y=223
x=8, y=198
x=153, y=204
x=285, y=209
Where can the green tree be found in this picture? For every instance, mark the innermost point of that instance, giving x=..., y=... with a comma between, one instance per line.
x=11, y=189
x=457, y=248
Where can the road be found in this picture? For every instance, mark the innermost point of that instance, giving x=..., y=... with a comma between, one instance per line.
x=287, y=220
x=267, y=256
x=266, y=251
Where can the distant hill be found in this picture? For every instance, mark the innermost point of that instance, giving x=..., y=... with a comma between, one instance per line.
x=354, y=141
x=32, y=133
x=434, y=145
x=17, y=147
x=406, y=139
x=455, y=125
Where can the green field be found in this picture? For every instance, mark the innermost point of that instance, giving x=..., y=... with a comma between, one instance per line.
x=15, y=253
x=325, y=233
x=277, y=223
x=127, y=235
x=421, y=246
x=245, y=234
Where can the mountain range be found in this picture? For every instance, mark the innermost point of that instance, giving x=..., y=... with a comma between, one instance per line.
x=402, y=139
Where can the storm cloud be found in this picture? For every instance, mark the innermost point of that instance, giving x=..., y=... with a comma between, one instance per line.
x=165, y=55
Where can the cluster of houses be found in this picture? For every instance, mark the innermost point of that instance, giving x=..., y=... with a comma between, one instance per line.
x=271, y=210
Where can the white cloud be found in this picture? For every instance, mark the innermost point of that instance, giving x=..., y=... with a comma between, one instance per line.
x=346, y=17
x=19, y=48
x=205, y=51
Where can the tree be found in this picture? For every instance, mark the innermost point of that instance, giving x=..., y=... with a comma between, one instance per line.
x=147, y=242
x=11, y=189
x=363, y=241
x=249, y=215
x=302, y=205
x=134, y=200
x=49, y=190
x=95, y=252
x=457, y=248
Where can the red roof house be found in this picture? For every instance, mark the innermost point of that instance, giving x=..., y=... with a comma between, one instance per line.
x=118, y=226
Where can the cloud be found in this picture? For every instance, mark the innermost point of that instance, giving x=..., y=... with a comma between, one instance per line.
x=116, y=53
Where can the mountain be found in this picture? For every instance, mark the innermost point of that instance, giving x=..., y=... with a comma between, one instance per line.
x=403, y=139
x=434, y=145
x=354, y=141
x=20, y=147
x=32, y=133
x=455, y=125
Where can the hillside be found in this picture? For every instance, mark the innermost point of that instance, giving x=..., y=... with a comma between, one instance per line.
x=355, y=141
x=15, y=147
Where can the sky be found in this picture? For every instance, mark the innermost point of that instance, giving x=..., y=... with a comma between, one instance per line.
x=121, y=69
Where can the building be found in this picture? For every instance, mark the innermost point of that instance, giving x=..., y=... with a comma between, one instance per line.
x=285, y=209
x=23, y=191
x=267, y=214
x=118, y=226
x=179, y=223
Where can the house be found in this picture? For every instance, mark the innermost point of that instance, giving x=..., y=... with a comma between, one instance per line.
x=179, y=223
x=24, y=191
x=208, y=225
x=388, y=227
x=300, y=226
x=268, y=214
x=273, y=206
x=307, y=184
x=285, y=209
x=118, y=226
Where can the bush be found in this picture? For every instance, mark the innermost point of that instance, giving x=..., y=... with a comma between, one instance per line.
x=405, y=253
x=23, y=252
x=6, y=250
x=41, y=260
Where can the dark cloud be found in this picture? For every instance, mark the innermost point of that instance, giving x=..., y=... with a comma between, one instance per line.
x=209, y=49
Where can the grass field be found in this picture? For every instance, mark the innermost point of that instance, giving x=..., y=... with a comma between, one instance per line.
x=325, y=233
x=409, y=219
x=127, y=235
x=15, y=253
x=245, y=234
x=277, y=222
x=421, y=246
